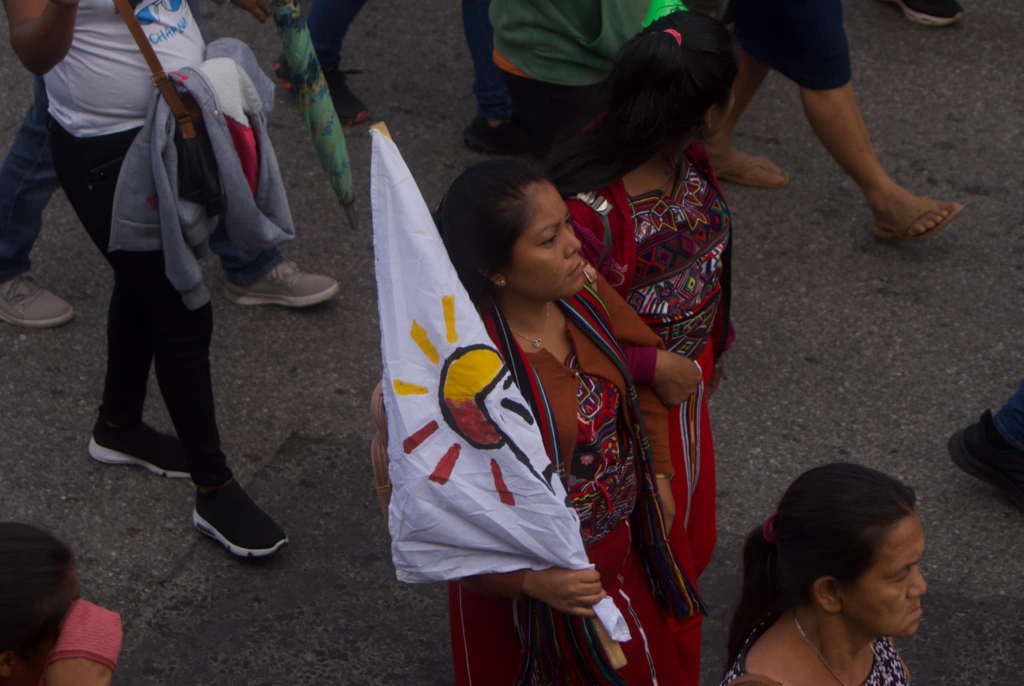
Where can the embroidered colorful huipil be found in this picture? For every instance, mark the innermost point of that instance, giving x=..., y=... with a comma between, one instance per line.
x=680, y=238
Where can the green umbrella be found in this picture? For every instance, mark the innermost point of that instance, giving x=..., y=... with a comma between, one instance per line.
x=315, y=101
x=660, y=8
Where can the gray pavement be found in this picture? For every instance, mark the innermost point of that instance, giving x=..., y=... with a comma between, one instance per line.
x=847, y=349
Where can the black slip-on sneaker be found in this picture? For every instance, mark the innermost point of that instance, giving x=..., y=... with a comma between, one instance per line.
x=508, y=138
x=974, y=453
x=230, y=516
x=350, y=108
x=142, y=446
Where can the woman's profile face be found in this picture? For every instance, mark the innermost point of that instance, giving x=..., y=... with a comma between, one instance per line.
x=886, y=600
x=545, y=263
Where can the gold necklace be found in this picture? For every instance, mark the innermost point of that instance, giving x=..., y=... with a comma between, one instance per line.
x=536, y=342
x=820, y=656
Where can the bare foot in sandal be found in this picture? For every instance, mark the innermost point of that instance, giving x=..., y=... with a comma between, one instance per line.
x=739, y=167
x=903, y=215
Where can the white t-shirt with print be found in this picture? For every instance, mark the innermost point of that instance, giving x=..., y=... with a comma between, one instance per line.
x=103, y=84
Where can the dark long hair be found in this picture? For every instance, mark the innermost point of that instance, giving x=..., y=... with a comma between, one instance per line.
x=656, y=96
x=481, y=217
x=830, y=522
x=35, y=592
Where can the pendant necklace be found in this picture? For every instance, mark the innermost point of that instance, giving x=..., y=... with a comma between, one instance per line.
x=820, y=656
x=536, y=342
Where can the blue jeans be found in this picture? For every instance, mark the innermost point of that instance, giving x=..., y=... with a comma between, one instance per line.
x=328, y=22
x=27, y=180
x=242, y=268
x=1009, y=421
x=492, y=98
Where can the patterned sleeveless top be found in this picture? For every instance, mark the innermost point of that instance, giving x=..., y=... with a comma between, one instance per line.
x=602, y=476
x=680, y=238
x=887, y=670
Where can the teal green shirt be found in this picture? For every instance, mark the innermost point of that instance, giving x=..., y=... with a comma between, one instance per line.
x=565, y=42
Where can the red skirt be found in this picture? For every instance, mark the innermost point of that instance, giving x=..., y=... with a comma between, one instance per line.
x=485, y=642
x=694, y=530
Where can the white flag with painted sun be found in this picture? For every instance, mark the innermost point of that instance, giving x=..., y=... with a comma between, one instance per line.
x=473, y=490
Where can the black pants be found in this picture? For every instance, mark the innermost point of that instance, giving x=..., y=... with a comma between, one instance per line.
x=148, y=322
x=549, y=111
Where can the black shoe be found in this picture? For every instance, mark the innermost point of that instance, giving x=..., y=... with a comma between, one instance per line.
x=931, y=12
x=350, y=109
x=508, y=138
x=974, y=453
x=230, y=516
x=142, y=445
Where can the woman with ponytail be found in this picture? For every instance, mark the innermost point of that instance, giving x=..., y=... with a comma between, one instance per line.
x=652, y=218
x=828, y=579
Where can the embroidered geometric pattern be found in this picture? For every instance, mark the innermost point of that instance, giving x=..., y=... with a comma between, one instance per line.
x=688, y=335
x=680, y=239
x=602, y=476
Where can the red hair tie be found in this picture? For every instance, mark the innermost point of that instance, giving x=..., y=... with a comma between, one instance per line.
x=675, y=34
x=768, y=529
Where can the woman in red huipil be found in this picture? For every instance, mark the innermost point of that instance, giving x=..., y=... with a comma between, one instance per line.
x=651, y=217
x=560, y=330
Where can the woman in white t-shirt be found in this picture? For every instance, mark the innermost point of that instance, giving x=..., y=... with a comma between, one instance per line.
x=100, y=90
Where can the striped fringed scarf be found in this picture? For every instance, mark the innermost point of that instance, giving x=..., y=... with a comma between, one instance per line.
x=559, y=648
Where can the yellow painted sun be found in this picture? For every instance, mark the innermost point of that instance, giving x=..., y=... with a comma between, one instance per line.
x=468, y=375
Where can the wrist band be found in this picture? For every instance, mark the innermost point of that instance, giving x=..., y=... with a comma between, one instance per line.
x=663, y=475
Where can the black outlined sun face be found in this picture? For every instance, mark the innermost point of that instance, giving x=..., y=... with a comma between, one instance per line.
x=469, y=375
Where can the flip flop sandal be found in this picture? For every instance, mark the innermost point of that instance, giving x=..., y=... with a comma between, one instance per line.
x=924, y=18
x=738, y=174
x=926, y=207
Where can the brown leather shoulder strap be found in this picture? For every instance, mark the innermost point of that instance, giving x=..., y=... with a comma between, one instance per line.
x=160, y=78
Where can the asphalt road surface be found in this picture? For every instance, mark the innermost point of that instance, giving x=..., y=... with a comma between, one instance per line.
x=847, y=348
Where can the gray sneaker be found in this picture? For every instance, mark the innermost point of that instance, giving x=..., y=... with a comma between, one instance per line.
x=286, y=285
x=23, y=302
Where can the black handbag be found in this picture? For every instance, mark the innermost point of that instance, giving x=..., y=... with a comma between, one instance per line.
x=198, y=177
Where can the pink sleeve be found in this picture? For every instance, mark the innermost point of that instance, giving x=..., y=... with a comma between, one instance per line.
x=89, y=632
x=641, y=363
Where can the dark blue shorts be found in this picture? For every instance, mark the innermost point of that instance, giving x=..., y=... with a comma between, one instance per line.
x=801, y=39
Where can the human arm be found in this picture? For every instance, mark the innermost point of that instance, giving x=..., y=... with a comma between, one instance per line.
x=667, y=500
x=257, y=8
x=630, y=330
x=78, y=671
x=41, y=31
x=676, y=377
x=572, y=592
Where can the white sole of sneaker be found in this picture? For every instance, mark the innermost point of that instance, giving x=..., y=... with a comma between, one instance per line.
x=38, y=323
x=207, y=529
x=925, y=19
x=108, y=456
x=297, y=301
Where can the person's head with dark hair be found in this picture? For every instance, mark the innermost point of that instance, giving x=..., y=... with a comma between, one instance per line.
x=507, y=233
x=667, y=86
x=841, y=555
x=38, y=583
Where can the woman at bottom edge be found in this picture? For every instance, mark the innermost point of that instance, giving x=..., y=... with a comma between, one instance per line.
x=828, y=580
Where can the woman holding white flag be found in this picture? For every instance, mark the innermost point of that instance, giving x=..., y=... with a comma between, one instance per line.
x=559, y=328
